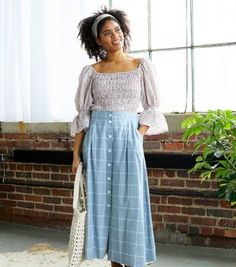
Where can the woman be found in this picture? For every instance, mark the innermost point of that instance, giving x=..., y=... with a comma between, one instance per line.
x=109, y=132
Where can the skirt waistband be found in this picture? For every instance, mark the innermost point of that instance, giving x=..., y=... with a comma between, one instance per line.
x=114, y=115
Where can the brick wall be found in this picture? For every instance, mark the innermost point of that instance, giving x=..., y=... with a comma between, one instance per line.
x=184, y=210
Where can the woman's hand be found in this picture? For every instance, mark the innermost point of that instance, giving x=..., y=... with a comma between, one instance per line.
x=142, y=129
x=77, y=150
x=75, y=164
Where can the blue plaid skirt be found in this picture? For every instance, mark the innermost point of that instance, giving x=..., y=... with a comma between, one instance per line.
x=119, y=223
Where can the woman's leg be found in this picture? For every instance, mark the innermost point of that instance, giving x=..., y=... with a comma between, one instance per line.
x=115, y=264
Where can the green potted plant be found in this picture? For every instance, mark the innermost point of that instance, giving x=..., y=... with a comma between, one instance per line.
x=215, y=144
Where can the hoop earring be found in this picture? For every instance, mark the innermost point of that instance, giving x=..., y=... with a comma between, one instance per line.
x=102, y=53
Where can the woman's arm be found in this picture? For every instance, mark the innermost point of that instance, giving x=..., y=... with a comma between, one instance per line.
x=79, y=137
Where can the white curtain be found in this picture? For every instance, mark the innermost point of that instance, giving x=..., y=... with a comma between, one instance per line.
x=40, y=58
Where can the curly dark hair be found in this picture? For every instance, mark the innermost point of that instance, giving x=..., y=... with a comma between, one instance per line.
x=87, y=39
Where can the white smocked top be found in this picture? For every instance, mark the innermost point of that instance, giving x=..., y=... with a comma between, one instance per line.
x=120, y=91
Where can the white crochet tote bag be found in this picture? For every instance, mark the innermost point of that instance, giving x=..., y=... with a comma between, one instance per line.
x=77, y=231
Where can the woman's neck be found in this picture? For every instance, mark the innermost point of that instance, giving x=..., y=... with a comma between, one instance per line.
x=116, y=57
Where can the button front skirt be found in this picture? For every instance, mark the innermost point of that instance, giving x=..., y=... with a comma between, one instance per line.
x=119, y=222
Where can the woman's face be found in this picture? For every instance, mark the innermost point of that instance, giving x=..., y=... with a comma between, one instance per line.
x=111, y=37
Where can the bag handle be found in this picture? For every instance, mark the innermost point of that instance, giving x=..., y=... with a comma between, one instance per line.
x=79, y=188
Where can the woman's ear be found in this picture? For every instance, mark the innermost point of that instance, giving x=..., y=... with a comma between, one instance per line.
x=98, y=41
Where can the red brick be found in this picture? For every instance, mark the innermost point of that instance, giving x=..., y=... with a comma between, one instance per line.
x=65, y=169
x=7, y=144
x=225, y=204
x=173, y=146
x=44, y=206
x=175, y=136
x=37, y=167
x=15, y=136
x=195, y=175
x=36, y=213
x=24, y=189
x=3, y=195
x=154, y=199
x=46, y=168
x=182, y=174
x=15, y=196
x=228, y=223
x=68, y=201
x=152, y=145
x=23, y=144
x=159, y=137
x=11, y=166
x=60, y=177
x=220, y=213
x=206, y=202
x=26, y=205
x=193, y=211
x=61, y=192
x=198, y=184
x=176, y=218
x=18, y=211
x=55, y=200
x=20, y=167
x=40, y=175
x=157, y=218
x=42, y=191
x=172, y=182
x=23, y=174
x=168, y=209
x=163, y=200
x=60, y=145
x=158, y=173
x=180, y=201
x=219, y=232
x=7, y=188
x=170, y=173
x=10, y=174
x=61, y=216
x=8, y=203
x=48, y=136
x=55, y=168
x=153, y=181
x=28, y=167
x=72, y=177
x=10, y=210
x=203, y=221
x=33, y=198
x=206, y=231
x=158, y=226
x=65, y=209
x=153, y=207
x=230, y=233
x=150, y=174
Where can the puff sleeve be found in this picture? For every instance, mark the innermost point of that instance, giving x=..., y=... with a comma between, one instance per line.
x=150, y=100
x=83, y=101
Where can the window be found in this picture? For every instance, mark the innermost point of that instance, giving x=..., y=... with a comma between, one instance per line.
x=193, y=46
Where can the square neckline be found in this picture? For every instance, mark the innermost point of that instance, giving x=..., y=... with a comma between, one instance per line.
x=118, y=72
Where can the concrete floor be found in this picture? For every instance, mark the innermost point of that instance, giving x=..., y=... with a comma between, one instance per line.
x=16, y=238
